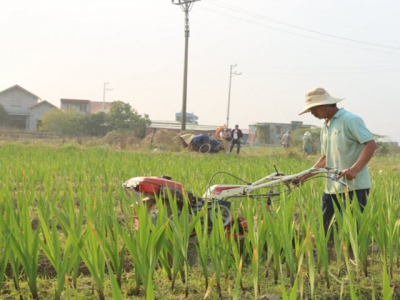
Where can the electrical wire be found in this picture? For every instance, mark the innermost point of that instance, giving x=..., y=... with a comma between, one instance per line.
x=232, y=8
x=298, y=27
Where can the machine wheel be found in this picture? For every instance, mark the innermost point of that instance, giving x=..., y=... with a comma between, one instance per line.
x=205, y=148
x=154, y=213
x=193, y=256
x=225, y=212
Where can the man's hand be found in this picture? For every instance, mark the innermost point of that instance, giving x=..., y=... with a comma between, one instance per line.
x=348, y=174
x=366, y=153
x=298, y=181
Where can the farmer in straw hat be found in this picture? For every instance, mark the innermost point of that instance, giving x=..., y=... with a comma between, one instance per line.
x=345, y=143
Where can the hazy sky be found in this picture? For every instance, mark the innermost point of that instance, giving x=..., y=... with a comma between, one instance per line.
x=69, y=49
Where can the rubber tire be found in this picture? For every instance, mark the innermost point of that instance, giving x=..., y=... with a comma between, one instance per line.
x=192, y=255
x=225, y=212
x=205, y=148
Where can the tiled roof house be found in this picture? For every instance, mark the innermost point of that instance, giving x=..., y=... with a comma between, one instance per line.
x=24, y=108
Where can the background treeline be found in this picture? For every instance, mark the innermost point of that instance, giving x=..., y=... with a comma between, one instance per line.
x=122, y=117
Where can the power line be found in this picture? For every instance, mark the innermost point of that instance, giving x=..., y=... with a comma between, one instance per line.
x=299, y=28
x=315, y=72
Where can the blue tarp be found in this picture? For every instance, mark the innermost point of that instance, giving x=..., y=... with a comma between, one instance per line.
x=200, y=139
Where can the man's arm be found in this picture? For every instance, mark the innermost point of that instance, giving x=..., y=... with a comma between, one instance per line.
x=365, y=156
x=321, y=163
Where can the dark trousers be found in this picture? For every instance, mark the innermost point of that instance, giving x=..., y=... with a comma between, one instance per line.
x=329, y=201
x=233, y=143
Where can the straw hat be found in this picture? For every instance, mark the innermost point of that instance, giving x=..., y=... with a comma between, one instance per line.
x=187, y=138
x=318, y=97
x=307, y=133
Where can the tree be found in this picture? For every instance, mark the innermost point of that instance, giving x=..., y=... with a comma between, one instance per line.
x=95, y=124
x=3, y=116
x=122, y=117
x=62, y=121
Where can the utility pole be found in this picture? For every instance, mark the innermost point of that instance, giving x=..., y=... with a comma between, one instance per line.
x=104, y=95
x=231, y=74
x=186, y=6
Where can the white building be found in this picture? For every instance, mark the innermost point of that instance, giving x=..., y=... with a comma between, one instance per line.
x=25, y=109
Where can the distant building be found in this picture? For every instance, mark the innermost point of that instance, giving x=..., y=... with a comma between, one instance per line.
x=25, y=109
x=176, y=127
x=272, y=132
x=99, y=106
x=82, y=106
x=391, y=143
x=190, y=118
x=86, y=106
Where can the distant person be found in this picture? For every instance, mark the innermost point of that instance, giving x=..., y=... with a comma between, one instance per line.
x=308, y=144
x=236, y=136
x=225, y=137
x=287, y=139
x=346, y=143
x=218, y=132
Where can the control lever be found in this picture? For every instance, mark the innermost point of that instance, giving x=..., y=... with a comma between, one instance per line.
x=335, y=176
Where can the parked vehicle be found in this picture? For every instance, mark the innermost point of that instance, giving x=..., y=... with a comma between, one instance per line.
x=201, y=143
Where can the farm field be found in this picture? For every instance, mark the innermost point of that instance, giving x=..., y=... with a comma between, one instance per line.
x=67, y=230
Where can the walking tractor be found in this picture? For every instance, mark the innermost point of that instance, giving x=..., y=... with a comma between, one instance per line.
x=147, y=190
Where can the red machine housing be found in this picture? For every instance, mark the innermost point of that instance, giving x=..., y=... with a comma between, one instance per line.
x=152, y=185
